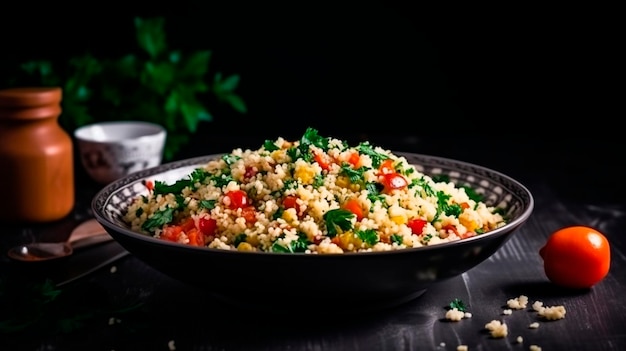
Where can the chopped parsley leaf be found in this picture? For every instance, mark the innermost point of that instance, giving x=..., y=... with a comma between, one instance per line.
x=472, y=194
x=441, y=178
x=241, y=238
x=424, y=185
x=426, y=238
x=369, y=236
x=278, y=214
x=443, y=206
x=318, y=181
x=338, y=218
x=311, y=137
x=198, y=175
x=300, y=245
x=367, y=149
x=458, y=304
x=355, y=175
x=208, y=204
x=290, y=184
x=158, y=219
x=293, y=153
x=270, y=146
x=373, y=194
x=221, y=180
x=397, y=239
x=230, y=159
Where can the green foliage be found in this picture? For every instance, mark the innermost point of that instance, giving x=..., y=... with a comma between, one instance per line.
x=155, y=84
x=458, y=304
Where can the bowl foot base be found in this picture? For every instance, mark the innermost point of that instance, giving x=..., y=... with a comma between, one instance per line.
x=326, y=306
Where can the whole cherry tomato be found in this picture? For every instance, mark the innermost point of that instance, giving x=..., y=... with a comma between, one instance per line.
x=576, y=257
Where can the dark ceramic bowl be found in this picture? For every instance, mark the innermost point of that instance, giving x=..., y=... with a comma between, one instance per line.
x=278, y=281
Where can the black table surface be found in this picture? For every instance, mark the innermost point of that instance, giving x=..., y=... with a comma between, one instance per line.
x=127, y=305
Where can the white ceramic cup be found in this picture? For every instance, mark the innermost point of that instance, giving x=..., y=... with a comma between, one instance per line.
x=112, y=150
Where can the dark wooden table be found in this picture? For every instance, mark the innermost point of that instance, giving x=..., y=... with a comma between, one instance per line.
x=129, y=306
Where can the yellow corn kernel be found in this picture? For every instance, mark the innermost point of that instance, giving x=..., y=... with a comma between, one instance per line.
x=399, y=219
x=471, y=225
x=253, y=240
x=305, y=174
x=289, y=215
x=342, y=182
x=345, y=239
x=244, y=246
x=278, y=154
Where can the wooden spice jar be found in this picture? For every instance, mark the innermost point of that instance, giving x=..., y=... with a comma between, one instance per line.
x=36, y=156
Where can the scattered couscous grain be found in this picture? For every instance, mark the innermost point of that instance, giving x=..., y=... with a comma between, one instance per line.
x=507, y=311
x=462, y=348
x=171, y=346
x=552, y=312
x=113, y=269
x=454, y=315
x=497, y=329
x=518, y=303
x=519, y=339
x=315, y=195
x=533, y=325
x=534, y=348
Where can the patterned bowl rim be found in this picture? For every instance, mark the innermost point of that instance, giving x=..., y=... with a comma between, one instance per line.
x=109, y=203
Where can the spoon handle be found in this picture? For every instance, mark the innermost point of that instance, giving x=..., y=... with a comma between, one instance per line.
x=91, y=240
x=88, y=233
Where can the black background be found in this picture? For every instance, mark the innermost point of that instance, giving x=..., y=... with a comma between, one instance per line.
x=509, y=86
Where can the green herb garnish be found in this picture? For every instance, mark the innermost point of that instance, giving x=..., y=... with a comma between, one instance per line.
x=338, y=218
x=241, y=238
x=270, y=146
x=458, y=304
x=208, y=204
x=367, y=149
x=368, y=236
x=158, y=219
x=397, y=239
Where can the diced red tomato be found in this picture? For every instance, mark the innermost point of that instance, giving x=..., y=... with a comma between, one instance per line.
x=149, y=184
x=188, y=225
x=290, y=201
x=171, y=233
x=467, y=235
x=195, y=237
x=354, y=159
x=464, y=205
x=384, y=238
x=450, y=227
x=249, y=214
x=354, y=206
x=417, y=225
x=386, y=167
x=207, y=225
x=249, y=173
x=238, y=199
x=394, y=181
x=323, y=160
